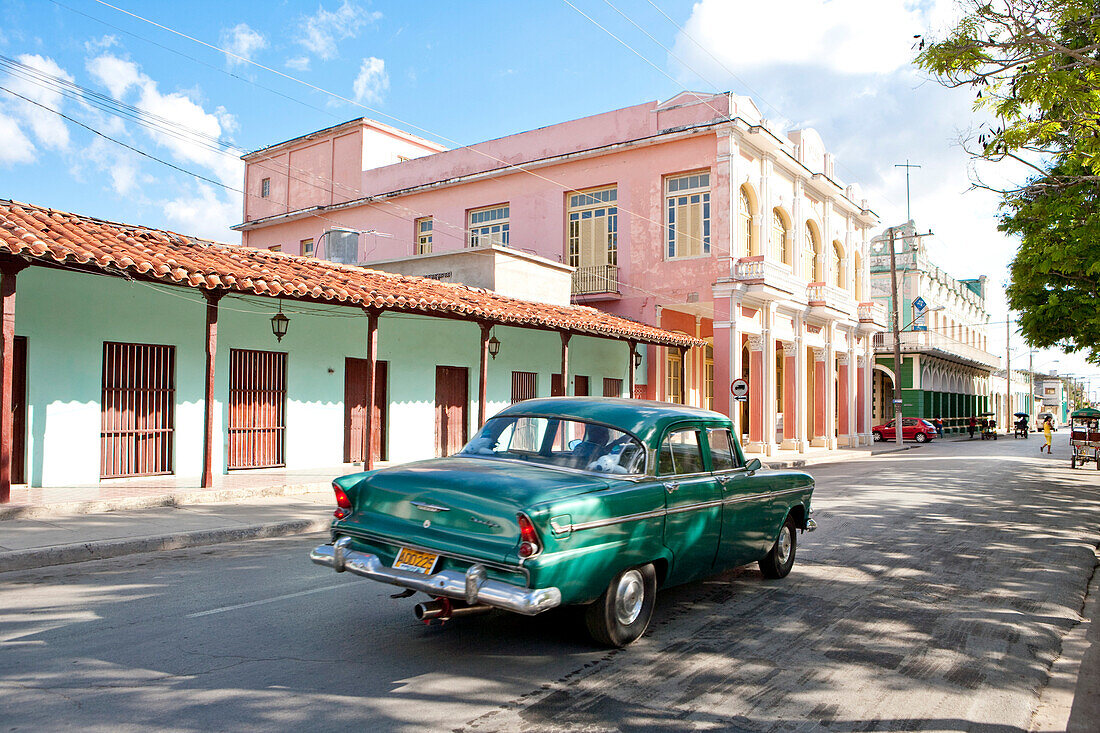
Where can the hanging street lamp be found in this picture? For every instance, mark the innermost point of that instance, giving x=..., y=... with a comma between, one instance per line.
x=494, y=347
x=279, y=323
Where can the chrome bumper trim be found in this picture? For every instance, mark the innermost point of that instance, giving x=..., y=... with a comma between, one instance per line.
x=471, y=586
x=811, y=525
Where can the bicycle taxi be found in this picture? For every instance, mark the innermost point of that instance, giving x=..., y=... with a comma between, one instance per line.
x=1084, y=437
x=988, y=423
x=1021, y=424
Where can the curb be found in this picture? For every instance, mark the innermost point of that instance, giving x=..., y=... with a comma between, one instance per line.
x=824, y=460
x=175, y=499
x=40, y=557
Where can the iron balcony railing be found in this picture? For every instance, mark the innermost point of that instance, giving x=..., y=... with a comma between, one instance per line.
x=596, y=279
x=932, y=341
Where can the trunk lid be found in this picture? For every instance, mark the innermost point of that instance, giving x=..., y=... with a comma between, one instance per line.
x=462, y=505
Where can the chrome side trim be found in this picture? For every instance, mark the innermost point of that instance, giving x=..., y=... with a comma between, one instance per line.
x=449, y=583
x=597, y=523
x=425, y=506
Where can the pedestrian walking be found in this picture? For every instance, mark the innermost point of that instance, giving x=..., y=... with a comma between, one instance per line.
x=1048, y=433
x=938, y=423
x=970, y=426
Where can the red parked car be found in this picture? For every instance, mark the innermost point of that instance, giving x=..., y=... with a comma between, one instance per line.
x=912, y=428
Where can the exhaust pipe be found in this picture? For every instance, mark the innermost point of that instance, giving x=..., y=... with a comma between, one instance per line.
x=443, y=609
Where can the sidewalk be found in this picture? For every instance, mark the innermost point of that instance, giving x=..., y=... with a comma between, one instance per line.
x=27, y=543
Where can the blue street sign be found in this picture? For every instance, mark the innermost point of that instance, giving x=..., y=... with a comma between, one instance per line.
x=919, y=304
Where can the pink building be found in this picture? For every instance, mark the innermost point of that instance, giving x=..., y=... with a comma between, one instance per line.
x=691, y=214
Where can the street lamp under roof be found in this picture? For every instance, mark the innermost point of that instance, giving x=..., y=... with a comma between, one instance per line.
x=279, y=323
x=494, y=347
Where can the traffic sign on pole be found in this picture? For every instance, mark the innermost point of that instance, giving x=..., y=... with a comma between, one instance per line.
x=740, y=389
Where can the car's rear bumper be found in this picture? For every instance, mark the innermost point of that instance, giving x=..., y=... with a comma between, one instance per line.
x=471, y=586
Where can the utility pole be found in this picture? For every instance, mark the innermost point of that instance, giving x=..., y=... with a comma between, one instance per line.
x=1008, y=368
x=897, y=338
x=907, y=166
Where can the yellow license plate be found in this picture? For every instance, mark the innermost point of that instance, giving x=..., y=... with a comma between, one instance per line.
x=415, y=561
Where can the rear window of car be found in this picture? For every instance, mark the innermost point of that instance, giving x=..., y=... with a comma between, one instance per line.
x=558, y=442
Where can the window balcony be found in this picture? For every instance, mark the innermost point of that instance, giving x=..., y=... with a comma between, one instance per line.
x=596, y=280
x=826, y=300
x=768, y=279
x=872, y=317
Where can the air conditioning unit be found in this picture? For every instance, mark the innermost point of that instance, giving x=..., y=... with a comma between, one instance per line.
x=342, y=247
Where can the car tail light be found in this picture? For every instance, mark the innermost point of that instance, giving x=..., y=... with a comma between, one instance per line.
x=529, y=545
x=343, y=503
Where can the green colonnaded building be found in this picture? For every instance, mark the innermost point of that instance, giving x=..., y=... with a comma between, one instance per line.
x=946, y=366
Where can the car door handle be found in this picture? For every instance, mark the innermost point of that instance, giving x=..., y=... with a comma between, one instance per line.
x=723, y=480
x=671, y=486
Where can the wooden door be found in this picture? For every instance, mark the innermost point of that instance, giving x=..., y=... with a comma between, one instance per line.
x=19, y=411
x=612, y=387
x=355, y=409
x=452, y=402
x=257, y=409
x=137, y=409
x=580, y=386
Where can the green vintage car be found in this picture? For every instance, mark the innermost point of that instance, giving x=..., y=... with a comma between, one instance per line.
x=570, y=501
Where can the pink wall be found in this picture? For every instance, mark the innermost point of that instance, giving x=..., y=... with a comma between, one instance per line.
x=537, y=210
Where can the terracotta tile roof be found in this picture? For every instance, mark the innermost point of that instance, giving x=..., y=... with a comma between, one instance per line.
x=58, y=237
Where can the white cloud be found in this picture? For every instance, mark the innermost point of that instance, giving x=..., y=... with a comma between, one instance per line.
x=846, y=36
x=100, y=44
x=49, y=129
x=202, y=213
x=195, y=129
x=17, y=147
x=372, y=81
x=325, y=28
x=121, y=166
x=298, y=63
x=242, y=41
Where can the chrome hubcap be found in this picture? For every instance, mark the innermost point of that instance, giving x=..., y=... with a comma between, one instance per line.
x=783, y=545
x=629, y=594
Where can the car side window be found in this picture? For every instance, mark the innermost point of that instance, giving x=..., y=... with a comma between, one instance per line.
x=722, y=455
x=680, y=453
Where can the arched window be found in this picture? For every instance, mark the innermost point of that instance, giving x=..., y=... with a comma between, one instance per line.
x=838, y=264
x=744, y=213
x=811, y=261
x=781, y=239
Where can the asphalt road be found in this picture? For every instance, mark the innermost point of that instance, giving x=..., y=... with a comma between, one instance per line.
x=934, y=596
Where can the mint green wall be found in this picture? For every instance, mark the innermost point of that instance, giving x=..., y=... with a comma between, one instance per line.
x=66, y=317
x=415, y=345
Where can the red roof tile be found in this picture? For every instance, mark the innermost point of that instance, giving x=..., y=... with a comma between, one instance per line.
x=59, y=237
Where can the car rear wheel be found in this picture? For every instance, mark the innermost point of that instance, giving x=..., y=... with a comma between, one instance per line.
x=878, y=436
x=921, y=438
x=780, y=559
x=622, y=613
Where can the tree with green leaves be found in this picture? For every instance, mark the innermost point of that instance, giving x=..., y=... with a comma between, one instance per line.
x=1034, y=67
x=1055, y=285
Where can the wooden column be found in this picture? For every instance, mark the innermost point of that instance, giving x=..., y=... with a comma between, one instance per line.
x=683, y=375
x=212, y=298
x=483, y=373
x=630, y=368
x=8, y=271
x=565, y=363
x=372, y=369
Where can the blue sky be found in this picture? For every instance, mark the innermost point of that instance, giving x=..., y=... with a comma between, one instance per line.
x=471, y=71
